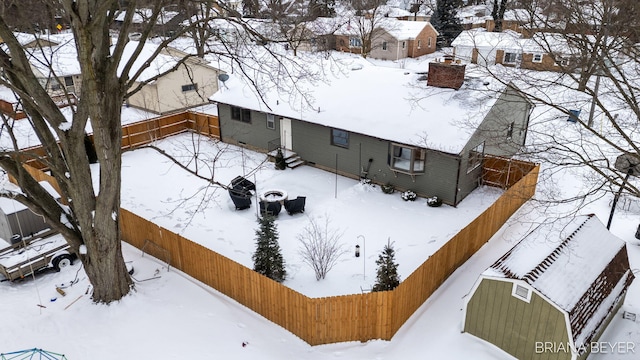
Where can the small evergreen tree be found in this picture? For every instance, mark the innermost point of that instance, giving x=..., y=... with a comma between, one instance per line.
x=445, y=20
x=387, y=277
x=267, y=260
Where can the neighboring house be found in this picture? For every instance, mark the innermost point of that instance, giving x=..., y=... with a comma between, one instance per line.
x=478, y=46
x=168, y=19
x=509, y=48
x=56, y=65
x=560, y=285
x=391, y=39
x=403, y=39
x=386, y=125
x=54, y=61
x=189, y=85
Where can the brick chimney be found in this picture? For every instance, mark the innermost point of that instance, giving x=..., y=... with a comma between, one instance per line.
x=447, y=74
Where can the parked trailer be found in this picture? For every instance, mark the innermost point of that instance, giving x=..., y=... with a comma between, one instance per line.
x=28, y=256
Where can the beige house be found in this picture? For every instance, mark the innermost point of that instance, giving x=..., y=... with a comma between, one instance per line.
x=182, y=86
x=169, y=83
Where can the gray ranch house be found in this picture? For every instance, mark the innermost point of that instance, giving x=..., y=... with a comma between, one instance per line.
x=426, y=132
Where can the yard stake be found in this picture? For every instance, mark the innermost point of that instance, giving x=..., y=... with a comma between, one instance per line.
x=73, y=302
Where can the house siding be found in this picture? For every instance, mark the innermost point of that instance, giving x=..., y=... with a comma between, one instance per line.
x=254, y=135
x=423, y=37
x=508, y=108
x=312, y=143
x=493, y=314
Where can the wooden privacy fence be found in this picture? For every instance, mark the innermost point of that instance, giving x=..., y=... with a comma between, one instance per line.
x=144, y=132
x=147, y=131
x=358, y=317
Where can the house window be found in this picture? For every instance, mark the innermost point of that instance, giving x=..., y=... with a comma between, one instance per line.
x=339, y=138
x=271, y=121
x=407, y=159
x=429, y=42
x=68, y=81
x=56, y=87
x=355, y=42
x=512, y=58
x=419, y=44
x=240, y=114
x=510, y=130
x=384, y=45
x=404, y=45
x=189, y=87
x=521, y=292
x=475, y=157
x=537, y=58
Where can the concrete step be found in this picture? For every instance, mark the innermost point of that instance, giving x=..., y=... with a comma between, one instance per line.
x=295, y=164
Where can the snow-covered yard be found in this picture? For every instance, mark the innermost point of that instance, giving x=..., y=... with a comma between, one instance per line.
x=365, y=216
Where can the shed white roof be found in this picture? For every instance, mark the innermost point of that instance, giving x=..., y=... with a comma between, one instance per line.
x=386, y=103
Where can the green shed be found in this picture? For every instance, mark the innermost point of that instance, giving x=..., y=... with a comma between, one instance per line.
x=553, y=294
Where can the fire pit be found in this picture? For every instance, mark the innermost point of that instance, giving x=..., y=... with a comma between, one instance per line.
x=274, y=195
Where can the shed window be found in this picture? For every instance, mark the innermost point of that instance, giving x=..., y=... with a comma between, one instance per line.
x=419, y=44
x=475, y=157
x=271, y=121
x=339, y=138
x=510, y=130
x=240, y=114
x=429, y=42
x=407, y=159
x=404, y=44
x=68, y=81
x=521, y=292
x=384, y=45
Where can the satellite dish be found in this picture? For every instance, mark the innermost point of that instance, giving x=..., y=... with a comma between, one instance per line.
x=223, y=77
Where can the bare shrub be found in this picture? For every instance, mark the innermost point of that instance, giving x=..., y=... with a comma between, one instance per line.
x=319, y=246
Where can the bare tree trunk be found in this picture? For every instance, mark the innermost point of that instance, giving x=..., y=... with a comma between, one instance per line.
x=101, y=98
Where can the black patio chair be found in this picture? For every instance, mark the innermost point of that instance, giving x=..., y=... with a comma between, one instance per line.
x=296, y=205
x=240, y=183
x=241, y=199
x=271, y=208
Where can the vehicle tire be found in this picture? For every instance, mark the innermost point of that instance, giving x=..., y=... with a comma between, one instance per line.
x=62, y=261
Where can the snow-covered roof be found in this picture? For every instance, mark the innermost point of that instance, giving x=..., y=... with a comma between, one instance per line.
x=575, y=263
x=473, y=14
x=10, y=206
x=163, y=62
x=404, y=29
x=61, y=59
x=142, y=15
x=387, y=103
x=481, y=38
